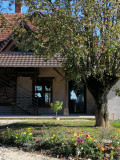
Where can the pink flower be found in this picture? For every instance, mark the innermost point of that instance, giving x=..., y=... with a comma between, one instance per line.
x=78, y=139
x=81, y=140
x=86, y=135
x=43, y=124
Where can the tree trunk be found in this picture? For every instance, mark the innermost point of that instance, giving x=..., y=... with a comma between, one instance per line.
x=101, y=112
x=102, y=116
x=99, y=91
x=56, y=114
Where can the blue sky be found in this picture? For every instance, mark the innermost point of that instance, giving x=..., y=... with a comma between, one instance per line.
x=5, y=7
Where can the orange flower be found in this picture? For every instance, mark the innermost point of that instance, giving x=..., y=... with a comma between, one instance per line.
x=115, y=137
x=102, y=149
x=75, y=144
x=118, y=130
x=71, y=139
x=98, y=145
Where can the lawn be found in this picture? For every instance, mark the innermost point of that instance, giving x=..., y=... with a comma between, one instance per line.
x=69, y=137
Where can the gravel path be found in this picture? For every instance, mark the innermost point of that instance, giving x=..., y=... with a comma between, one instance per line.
x=16, y=154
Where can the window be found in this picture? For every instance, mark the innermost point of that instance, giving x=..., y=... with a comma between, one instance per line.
x=43, y=91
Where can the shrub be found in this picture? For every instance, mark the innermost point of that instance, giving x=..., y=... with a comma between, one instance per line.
x=56, y=106
x=18, y=137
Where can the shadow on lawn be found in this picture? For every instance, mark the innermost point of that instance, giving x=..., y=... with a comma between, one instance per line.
x=40, y=125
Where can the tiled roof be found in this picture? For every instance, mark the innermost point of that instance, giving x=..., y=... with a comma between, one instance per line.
x=20, y=60
x=6, y=31
x=10, y=19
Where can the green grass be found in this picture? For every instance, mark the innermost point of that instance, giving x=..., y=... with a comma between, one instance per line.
x=115, y=124
x=67, y=127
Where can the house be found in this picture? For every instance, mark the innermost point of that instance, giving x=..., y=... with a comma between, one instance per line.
x=28, y=84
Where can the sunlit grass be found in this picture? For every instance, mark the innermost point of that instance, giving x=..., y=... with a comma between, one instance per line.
x=67, y=127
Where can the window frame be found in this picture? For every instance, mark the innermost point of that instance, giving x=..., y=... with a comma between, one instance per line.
x=44, y=81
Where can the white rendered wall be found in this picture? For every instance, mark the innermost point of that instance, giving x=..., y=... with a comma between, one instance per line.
x=114, y=104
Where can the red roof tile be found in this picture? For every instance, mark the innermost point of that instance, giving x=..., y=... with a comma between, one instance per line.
x=20, y=60
x=10, y=20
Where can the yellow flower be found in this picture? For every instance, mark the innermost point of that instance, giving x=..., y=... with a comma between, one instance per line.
x=29, y=128
x=71, y=139
x=90, y=138
x=98, y=145
x=62, y=143
x=2, y=132
x=75, y=144
x=115, y=137
x=102, y=149
x=46, y=139
x=16, y=130
x=53, y=135
x=24, y=132
x=75, y=135
x=30, y=134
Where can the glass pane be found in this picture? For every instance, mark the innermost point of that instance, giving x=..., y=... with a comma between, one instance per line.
x=47, y=88
x=38, y=95
x=48, y=98
x=38, y=88
x=73, y=95
x=77, y=99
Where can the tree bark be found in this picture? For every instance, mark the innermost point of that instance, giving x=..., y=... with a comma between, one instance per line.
x=101, y=113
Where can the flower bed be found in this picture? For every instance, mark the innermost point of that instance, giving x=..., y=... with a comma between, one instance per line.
x=78, y=145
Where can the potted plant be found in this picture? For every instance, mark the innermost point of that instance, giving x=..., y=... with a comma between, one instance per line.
x=56, y=106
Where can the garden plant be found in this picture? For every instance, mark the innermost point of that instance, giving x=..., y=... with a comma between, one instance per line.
x=56, y=106
x=64, y=139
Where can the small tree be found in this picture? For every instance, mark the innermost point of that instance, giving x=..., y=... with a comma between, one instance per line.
x=56, y=106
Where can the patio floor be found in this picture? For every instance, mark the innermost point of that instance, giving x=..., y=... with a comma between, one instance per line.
x=38, y=117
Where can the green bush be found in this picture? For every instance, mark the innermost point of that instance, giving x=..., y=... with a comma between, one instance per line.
x=18, y=137
x=56, y=106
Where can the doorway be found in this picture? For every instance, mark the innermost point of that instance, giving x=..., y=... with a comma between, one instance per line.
x=77, y=98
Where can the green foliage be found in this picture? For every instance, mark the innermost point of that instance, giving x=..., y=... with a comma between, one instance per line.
x=56, y=106
x=18, y=137
x=51, y=140
x=117, y=91
x=85, y=33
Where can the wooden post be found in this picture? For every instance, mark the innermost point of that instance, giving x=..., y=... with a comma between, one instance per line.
x=66, y=109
